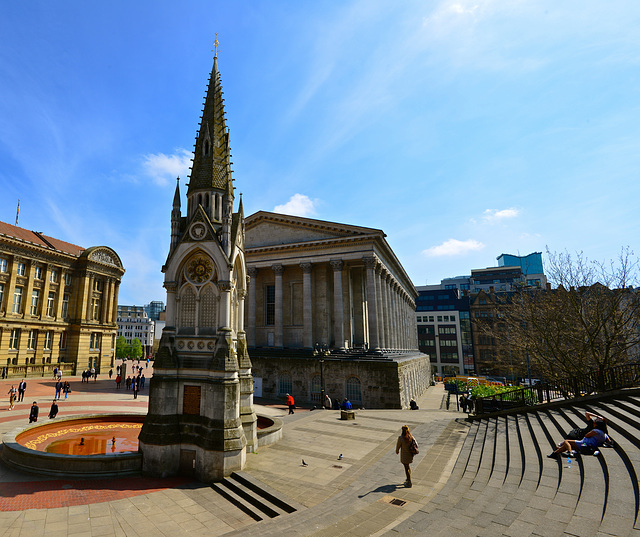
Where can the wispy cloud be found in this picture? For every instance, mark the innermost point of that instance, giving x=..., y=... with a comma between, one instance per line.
x=497, y=215
x=164, y=168
x=298, y=205
x=453, y=247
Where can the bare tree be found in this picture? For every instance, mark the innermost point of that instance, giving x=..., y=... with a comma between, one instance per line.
x=588, y=317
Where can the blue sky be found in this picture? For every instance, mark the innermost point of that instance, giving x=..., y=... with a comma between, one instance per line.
x=463, y=129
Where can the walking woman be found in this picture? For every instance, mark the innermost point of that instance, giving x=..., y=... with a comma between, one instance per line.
x=407, y=447
x=12, y=397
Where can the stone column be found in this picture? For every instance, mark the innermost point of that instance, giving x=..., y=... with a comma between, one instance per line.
x=382, y=344
x=44, y=296
x=387, y=306
x=372, y=307
x=28, y=290
x=393, y=307
x=60, y=299
x=104, y=302
x=242, y=294
x=108, y=294
x=251, y=318
x=338, y=307
x=114, y=313
x=196, y=323
x=89, y=312
x=407, y=335
x=170, y=315
x=307, y=306
x=225, y=304
x=279, y=329
x=403, y=318
x=11, y=288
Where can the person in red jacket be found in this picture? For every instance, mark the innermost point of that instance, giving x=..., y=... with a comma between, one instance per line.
x=291, y=403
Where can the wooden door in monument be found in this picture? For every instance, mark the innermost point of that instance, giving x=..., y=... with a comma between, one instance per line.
x=187, y=462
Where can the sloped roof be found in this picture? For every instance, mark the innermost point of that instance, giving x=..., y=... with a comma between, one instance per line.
x=39, y=239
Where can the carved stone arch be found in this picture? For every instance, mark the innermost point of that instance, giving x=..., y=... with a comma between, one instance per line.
x=208, y=312
x=240, y=272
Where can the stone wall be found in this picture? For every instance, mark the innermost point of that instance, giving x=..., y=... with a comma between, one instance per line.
x=384, y=383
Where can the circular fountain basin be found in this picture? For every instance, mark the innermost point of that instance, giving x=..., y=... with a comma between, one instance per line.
x=82, y=446
x=78, y=446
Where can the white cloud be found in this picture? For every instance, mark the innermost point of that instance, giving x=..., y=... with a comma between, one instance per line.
x=164, y=168
x=298, y=205
x=497, y=215
x=453, y=247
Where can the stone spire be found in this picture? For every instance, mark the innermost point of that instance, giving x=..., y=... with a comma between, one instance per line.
x=211, y=170
x=175, y=217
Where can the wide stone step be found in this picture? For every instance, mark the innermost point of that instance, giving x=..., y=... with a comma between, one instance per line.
x=252, y=498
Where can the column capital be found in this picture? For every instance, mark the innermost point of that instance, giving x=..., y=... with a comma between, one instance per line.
x=224, y=285
x=171, y=287
x=370, y=262
x=306, y=267
x=242, y=293
x=278, y=269
x=252, y=271
x=337, y=264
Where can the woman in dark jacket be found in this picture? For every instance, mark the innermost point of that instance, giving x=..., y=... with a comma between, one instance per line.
x=33, y=415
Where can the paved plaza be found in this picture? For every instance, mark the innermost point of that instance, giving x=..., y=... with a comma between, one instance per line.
x=485, y=478
x=332, y=496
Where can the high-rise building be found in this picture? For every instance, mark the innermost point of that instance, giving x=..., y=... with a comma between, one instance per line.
x=154, y=309
x=456, y=306
x=444, y=329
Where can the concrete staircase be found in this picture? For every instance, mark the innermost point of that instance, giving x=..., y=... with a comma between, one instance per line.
x=504, y=484
x=252, y=497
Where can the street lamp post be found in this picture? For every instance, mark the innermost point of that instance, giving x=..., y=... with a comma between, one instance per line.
x=321, y=352
x=321, y=382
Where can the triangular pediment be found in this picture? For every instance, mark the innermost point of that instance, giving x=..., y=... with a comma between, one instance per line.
x=271, y=229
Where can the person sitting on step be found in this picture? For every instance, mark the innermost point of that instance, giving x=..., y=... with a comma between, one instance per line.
x=594, y=439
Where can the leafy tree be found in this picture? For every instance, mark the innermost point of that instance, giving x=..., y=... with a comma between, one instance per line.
x=123, y=349
x=588, y=318
x=136, y=348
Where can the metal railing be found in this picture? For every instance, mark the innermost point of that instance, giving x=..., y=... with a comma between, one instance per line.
x=595, y=381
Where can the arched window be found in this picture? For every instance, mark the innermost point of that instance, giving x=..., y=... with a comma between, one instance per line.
x=353, y=390
x=316, y=388
x=207, y=323
x=206, y=147
x=188, y=308
x=284, y=384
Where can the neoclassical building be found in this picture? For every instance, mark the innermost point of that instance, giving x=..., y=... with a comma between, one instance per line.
x=339, y=289
x=58, y=303
x=201, y=420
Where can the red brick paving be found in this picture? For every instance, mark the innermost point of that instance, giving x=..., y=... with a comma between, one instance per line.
x=50, y=493
x=64, y=493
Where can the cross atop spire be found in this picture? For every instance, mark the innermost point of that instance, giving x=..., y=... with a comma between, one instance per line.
x=215, y=46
